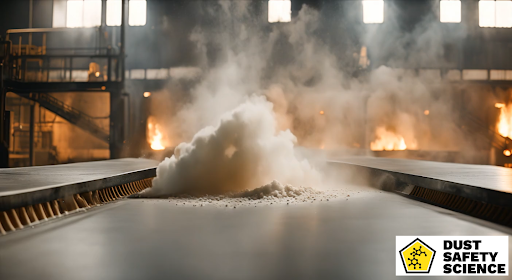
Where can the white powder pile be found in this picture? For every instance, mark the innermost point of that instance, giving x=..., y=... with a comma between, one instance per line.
x=273, y=194
x=248, y=199
x=277, y=190
x=243, y=152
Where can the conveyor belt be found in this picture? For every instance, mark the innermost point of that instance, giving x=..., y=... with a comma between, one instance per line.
x=352, y=237
x=481, y=191
x=31, y=185
x=486, y=177
x=155, y=239
x=28, y=179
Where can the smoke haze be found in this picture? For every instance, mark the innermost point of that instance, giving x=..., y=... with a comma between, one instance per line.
x=264, y=88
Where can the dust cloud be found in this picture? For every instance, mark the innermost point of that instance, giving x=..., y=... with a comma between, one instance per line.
x=264, y=89
x=243, y=151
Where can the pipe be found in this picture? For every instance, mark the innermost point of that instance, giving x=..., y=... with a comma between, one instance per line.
x=4, y=150
x=127, y=116
x=123, y=41
x=103, y=12
x=2, y=103
x=30, y=16
x=4, y=147
x=30, y=13
x=103, y=27
x=44, y=44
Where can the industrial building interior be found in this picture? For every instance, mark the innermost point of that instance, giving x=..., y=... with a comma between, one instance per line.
x=254, y=139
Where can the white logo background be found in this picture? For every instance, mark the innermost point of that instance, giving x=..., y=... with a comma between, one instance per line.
x=492, y=244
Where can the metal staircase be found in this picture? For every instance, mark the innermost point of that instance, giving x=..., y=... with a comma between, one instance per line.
x=69, y=113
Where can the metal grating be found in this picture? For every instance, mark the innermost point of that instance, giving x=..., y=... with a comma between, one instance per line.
x=490, y=212
x=15, y=219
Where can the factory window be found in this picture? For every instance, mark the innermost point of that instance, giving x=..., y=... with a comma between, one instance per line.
x=495, y=13
x=373, y=11
x=76, y=13
x=92, y=13
x=113, y=12
x=450, y=11
x=136, y=12
x=59, y=13
x=137, y=74
x=157, y=74
x=279, y=11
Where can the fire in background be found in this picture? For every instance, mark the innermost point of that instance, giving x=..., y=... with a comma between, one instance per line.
x=504, y=126
x=387, y=140
x=154, y=135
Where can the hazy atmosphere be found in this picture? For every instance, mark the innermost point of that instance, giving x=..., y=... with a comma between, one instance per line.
x=255, y=139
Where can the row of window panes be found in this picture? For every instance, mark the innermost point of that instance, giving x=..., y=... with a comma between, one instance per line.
x=491, y=13
x=495, y=13
x=87, y=13
x=190, y=72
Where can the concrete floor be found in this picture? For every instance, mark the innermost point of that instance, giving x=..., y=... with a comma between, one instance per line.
x=155, y=239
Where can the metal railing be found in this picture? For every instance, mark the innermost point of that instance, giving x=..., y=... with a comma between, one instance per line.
x=31, y=63
x=64, y=67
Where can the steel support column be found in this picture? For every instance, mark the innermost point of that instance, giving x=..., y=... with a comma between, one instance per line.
x=117, y=102
x=4, y=149
x=122, y=51
x=31, y=157
x=117, y=113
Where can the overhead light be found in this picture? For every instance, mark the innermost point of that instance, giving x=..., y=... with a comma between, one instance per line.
x=147, y=94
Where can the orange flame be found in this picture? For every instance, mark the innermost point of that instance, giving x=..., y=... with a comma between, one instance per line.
x=389, y=141
x=154, y=135
x=504, y=126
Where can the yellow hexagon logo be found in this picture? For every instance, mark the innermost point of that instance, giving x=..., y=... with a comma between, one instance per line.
x=417, y=257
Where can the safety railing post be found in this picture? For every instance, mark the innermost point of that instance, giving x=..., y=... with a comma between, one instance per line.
x=70, y=69
x=109, y=64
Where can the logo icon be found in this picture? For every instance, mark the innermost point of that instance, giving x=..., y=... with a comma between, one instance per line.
x=417, y=257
